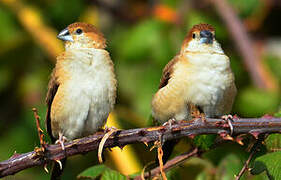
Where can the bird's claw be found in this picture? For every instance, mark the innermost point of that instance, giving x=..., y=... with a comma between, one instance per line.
x=170, y=122
x=229, y=120
x=61, y=141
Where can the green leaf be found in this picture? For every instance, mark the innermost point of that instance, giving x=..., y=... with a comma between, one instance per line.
x=270, y=163
x=92, y=172
x=273, y=142
x=229, y=167
x=204, y=141
x=110, y=174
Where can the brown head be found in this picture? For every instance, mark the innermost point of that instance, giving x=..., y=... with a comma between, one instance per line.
x=82, y=35
x=201, y=38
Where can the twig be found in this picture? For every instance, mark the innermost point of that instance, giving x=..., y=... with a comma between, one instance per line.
x=170, y=164
x=246, y=165
x=261, y=77
x=39, y=130
x=254, y=126
x=161, y=166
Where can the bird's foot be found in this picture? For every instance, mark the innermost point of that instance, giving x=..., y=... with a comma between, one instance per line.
x=198, y=115
x=228, y=119
x=170, y=122
x=62, y=139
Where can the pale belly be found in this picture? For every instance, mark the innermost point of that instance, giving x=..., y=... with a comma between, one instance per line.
x=84, y=109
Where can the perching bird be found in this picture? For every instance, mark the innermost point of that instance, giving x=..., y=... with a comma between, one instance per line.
x=199, y=78
x=82, y=89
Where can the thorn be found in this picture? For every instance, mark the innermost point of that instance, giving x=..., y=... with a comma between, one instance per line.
x=156, y=145
x=46, y=169
x=121, y=147
x=255, y=134
x=235, y=116
x=267, y=116
x=145, y=143
x=228, y=137
x=60, y=164
x=225, y=136
x=191, y=136
x=239, y=140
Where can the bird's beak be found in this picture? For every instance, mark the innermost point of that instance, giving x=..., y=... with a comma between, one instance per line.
x=206, y=37
x=65, y=35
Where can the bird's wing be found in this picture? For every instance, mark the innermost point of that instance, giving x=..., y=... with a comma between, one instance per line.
x=52, y=90
x=167, y=71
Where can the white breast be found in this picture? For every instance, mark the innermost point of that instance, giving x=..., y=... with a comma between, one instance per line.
x=93, y=90
x=208, y=76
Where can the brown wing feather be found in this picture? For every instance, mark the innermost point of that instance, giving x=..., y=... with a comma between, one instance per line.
x=167, y=71
x=52, y=90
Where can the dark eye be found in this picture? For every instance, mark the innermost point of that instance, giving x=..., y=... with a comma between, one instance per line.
x=193, y=35
x=79, y=31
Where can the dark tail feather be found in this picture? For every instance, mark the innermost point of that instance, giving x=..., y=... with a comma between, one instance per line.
x=167, y=148
x=56, y=171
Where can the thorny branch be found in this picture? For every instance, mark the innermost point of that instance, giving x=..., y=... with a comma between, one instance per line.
x=253, y=126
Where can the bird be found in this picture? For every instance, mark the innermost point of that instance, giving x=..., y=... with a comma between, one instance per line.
x=197, y=81
x=82, y=87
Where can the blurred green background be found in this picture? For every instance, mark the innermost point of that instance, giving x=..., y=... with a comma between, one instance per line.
x=142, y=36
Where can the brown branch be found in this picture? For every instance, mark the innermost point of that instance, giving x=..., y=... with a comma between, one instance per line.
x=260, y=76
x=254, y=149
x=170, y=164
x=254, y=126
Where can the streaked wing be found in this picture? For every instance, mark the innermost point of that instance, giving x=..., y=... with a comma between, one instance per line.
x=52, y=90
x=167, y=71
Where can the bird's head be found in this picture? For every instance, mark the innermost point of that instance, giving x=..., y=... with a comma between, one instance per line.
x=201, y=38
x=82, y=35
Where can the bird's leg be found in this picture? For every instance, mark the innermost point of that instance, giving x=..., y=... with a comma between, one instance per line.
x=62, y=139
x=196, y=113
x=170, y=122
x=228, y=119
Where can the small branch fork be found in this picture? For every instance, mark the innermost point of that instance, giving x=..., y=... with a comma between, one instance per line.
x=253, y=150
x=170, y=164
x=253, y=126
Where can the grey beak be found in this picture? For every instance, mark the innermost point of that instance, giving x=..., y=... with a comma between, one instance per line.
x=206, y=37
x=65, y=35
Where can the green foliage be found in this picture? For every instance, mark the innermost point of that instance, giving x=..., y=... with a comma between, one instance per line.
x=255, y=102
x=228, y=167
x=204, y=141
x=100, y=170
x=270, y=163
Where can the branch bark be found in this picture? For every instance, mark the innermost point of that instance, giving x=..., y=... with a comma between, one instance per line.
x=41, y=156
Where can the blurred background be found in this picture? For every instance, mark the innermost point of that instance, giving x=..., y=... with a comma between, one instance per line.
x=143, y=35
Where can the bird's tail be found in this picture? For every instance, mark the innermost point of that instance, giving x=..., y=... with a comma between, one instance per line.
x=57, y=169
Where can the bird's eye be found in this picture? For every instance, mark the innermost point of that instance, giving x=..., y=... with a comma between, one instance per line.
x=79, y=31
x=193, y=35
